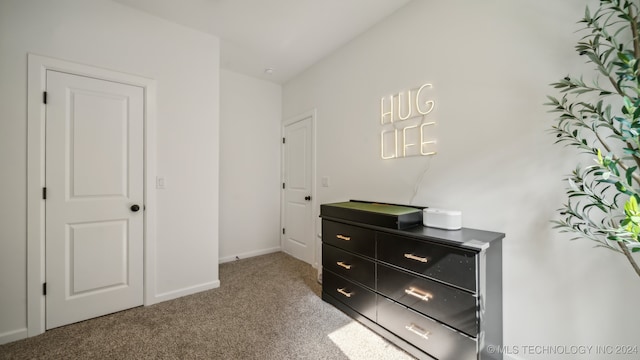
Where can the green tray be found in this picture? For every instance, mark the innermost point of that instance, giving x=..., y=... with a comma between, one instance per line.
x=379, y=214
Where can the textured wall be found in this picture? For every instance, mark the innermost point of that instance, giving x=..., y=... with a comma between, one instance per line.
x=490, y=63
x=250, y=115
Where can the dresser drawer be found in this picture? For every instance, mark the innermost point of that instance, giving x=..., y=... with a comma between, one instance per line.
x=453, y=266
x=449, y=305
x=356, y=297
x=424, y=333
x=350, y=238
x=349, y=266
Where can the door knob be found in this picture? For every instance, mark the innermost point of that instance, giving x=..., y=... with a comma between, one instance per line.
x=135, y=208
x=308, y=198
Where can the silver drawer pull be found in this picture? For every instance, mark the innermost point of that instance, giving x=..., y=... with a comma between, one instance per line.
x=416, y=258
x=422, y=295
x=342, y=237
x=346, y=266
x=418, y=331
x=343, y=292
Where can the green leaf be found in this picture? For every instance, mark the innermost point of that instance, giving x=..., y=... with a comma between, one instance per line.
x=629, y=174
x=622, y=188
x=600, y=161
x=612, y=165
x=631, y=207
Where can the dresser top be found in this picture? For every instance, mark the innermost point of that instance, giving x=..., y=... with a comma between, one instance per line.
x=472, y=239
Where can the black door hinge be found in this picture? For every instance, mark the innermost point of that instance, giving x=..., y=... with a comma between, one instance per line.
x=283, y=232
x=283, y=140
x=44, y=97
x=44, y=289
x=44, y=193
x=283, y=185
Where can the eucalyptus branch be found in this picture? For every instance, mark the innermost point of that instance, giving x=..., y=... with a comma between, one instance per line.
x=629, y=257
x=600, y=239
x=604, y=199
x=616, y=86
x=637, y=161
x=634, y=175
x=591, y=48
x=566, y=135
x=634, y=34
x=578, y=86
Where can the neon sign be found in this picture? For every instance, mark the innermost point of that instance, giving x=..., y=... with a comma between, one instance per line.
x=406, y=130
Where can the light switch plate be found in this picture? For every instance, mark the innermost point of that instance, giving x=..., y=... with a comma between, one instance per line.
x=160, y=182
x=325, y=181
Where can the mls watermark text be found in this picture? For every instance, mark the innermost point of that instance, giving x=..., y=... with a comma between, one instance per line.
x=563, y=349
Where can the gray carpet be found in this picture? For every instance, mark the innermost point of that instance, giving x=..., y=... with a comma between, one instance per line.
x=268, y=307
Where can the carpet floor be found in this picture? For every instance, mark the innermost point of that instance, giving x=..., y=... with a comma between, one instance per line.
x=267, y=307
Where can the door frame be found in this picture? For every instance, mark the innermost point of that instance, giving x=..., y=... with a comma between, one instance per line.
x=314, y=212
x=36, y=132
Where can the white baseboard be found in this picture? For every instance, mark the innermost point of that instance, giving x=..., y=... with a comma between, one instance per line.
x=14, y=335
x=249, y=254
x=184, y=292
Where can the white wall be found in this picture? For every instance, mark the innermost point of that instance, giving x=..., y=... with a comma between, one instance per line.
x=490, y=63
x=250, y=116
x=185, y=64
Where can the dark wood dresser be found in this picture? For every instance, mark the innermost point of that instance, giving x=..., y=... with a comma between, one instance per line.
x=434, y=293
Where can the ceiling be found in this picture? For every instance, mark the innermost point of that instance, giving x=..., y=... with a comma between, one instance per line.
x=287, y=36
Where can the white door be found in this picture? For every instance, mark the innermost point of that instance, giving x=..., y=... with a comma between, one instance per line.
x=94, y=182
x=298, y=221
